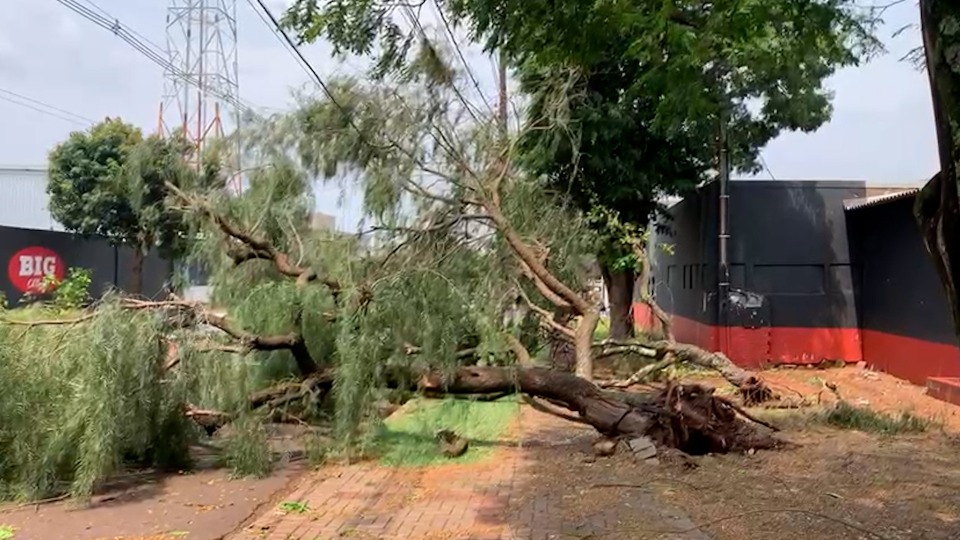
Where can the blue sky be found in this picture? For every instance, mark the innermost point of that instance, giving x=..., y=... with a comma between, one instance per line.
x=882, y=128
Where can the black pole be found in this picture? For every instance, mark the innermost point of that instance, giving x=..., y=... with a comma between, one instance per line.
x=723, y=236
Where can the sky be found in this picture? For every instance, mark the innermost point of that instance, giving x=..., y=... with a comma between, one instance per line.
x=881, y=131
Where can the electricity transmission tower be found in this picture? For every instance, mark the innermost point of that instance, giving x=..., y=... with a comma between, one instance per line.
x=201, y=81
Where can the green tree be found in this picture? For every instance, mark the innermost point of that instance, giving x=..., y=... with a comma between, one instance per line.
x=653, y=81
x=110, y=181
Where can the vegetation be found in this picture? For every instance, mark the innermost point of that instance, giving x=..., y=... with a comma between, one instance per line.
x=847, y=416
x=410, y=438
x=631, y=102
x=938, y=204
x=73, y=292
x=110, y=181
x=95, y=400
x=469, y=259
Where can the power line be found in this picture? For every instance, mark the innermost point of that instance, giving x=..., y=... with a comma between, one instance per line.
x=463, y=59
x=273, y=30
x=313, y=72
x=106, y=14
x=43, y=111
x=78, y=118
x=112, y=24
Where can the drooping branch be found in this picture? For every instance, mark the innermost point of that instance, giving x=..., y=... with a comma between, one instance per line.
x=642, y=255
x=252, y=247
x=539, y=271
x=292, y=341
x=547, y=320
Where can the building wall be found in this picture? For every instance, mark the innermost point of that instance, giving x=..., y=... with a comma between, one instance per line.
x=907, y=330
x=795, y=295
x=24, y=199
x=110, y=266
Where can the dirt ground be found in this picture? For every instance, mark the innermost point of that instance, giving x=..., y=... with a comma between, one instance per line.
x=836, y=484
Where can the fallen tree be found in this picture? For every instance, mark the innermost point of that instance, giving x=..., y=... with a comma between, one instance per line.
x=689, y=418
x=686, y=417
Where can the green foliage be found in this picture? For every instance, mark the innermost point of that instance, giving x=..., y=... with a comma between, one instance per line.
x=110, y=181
x=82, y=399
x=627, y=97
x=246, y=451
x=85, y=195
x=7, y=532
x=99, y=401
x=409, y=439
x=293, y=507
x=847, y=416
x=73, y=292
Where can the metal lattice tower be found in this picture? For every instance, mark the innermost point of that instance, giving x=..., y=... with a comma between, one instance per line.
x=201, y=83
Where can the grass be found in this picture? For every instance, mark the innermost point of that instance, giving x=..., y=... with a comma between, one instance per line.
x=7, y=532
x=37, y=313
x=847, y=416
x=293, y=507
x=408, y=438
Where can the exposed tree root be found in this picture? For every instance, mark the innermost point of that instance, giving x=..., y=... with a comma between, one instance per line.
x=687, y=417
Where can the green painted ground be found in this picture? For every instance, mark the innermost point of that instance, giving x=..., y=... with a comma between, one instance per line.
x=408, y=439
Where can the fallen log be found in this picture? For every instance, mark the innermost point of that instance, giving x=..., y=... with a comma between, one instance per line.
x=687, y=417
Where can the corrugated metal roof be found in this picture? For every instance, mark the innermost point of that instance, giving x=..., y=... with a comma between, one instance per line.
x=866, y=202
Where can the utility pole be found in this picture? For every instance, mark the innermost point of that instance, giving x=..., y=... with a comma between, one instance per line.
x=723, y=235
x=502, y=93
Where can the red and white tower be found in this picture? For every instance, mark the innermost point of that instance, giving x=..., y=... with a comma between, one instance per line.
x=201, y=85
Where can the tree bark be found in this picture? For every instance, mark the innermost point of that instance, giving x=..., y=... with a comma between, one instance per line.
x=136, y=271
x=687, y=417
x=620, y=286
x=583, y=343
x=642, y=254
x=937, y=207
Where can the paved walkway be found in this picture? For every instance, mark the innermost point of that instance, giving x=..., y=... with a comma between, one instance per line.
x=507, y=496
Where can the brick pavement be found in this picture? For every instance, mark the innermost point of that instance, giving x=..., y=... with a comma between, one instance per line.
x=496, y=499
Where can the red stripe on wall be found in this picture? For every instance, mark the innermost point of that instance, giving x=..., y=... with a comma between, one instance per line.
x=907, y=358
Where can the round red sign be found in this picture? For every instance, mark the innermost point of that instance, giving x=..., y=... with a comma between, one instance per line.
x=29, y=266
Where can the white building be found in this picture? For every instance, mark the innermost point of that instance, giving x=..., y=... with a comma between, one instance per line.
x=24, y=200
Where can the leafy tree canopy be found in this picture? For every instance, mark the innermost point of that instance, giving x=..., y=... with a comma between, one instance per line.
x=111, y=181
x=652, y=80
x=759, y=63
x=85, y=196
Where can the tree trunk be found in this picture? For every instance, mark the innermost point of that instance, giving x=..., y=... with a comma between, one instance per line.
x=937, y=208
x=642, y=254
x=136, y=271
x=563, y=356
x=620, y=284
x=687, y=417
x=583, y=343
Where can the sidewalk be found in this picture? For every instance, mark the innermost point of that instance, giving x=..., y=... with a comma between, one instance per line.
x=502, y=497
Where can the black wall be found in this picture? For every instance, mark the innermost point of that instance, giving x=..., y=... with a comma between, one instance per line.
x=110, y=266
x=788, y=244
x=685, y=277
x=901, y=292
